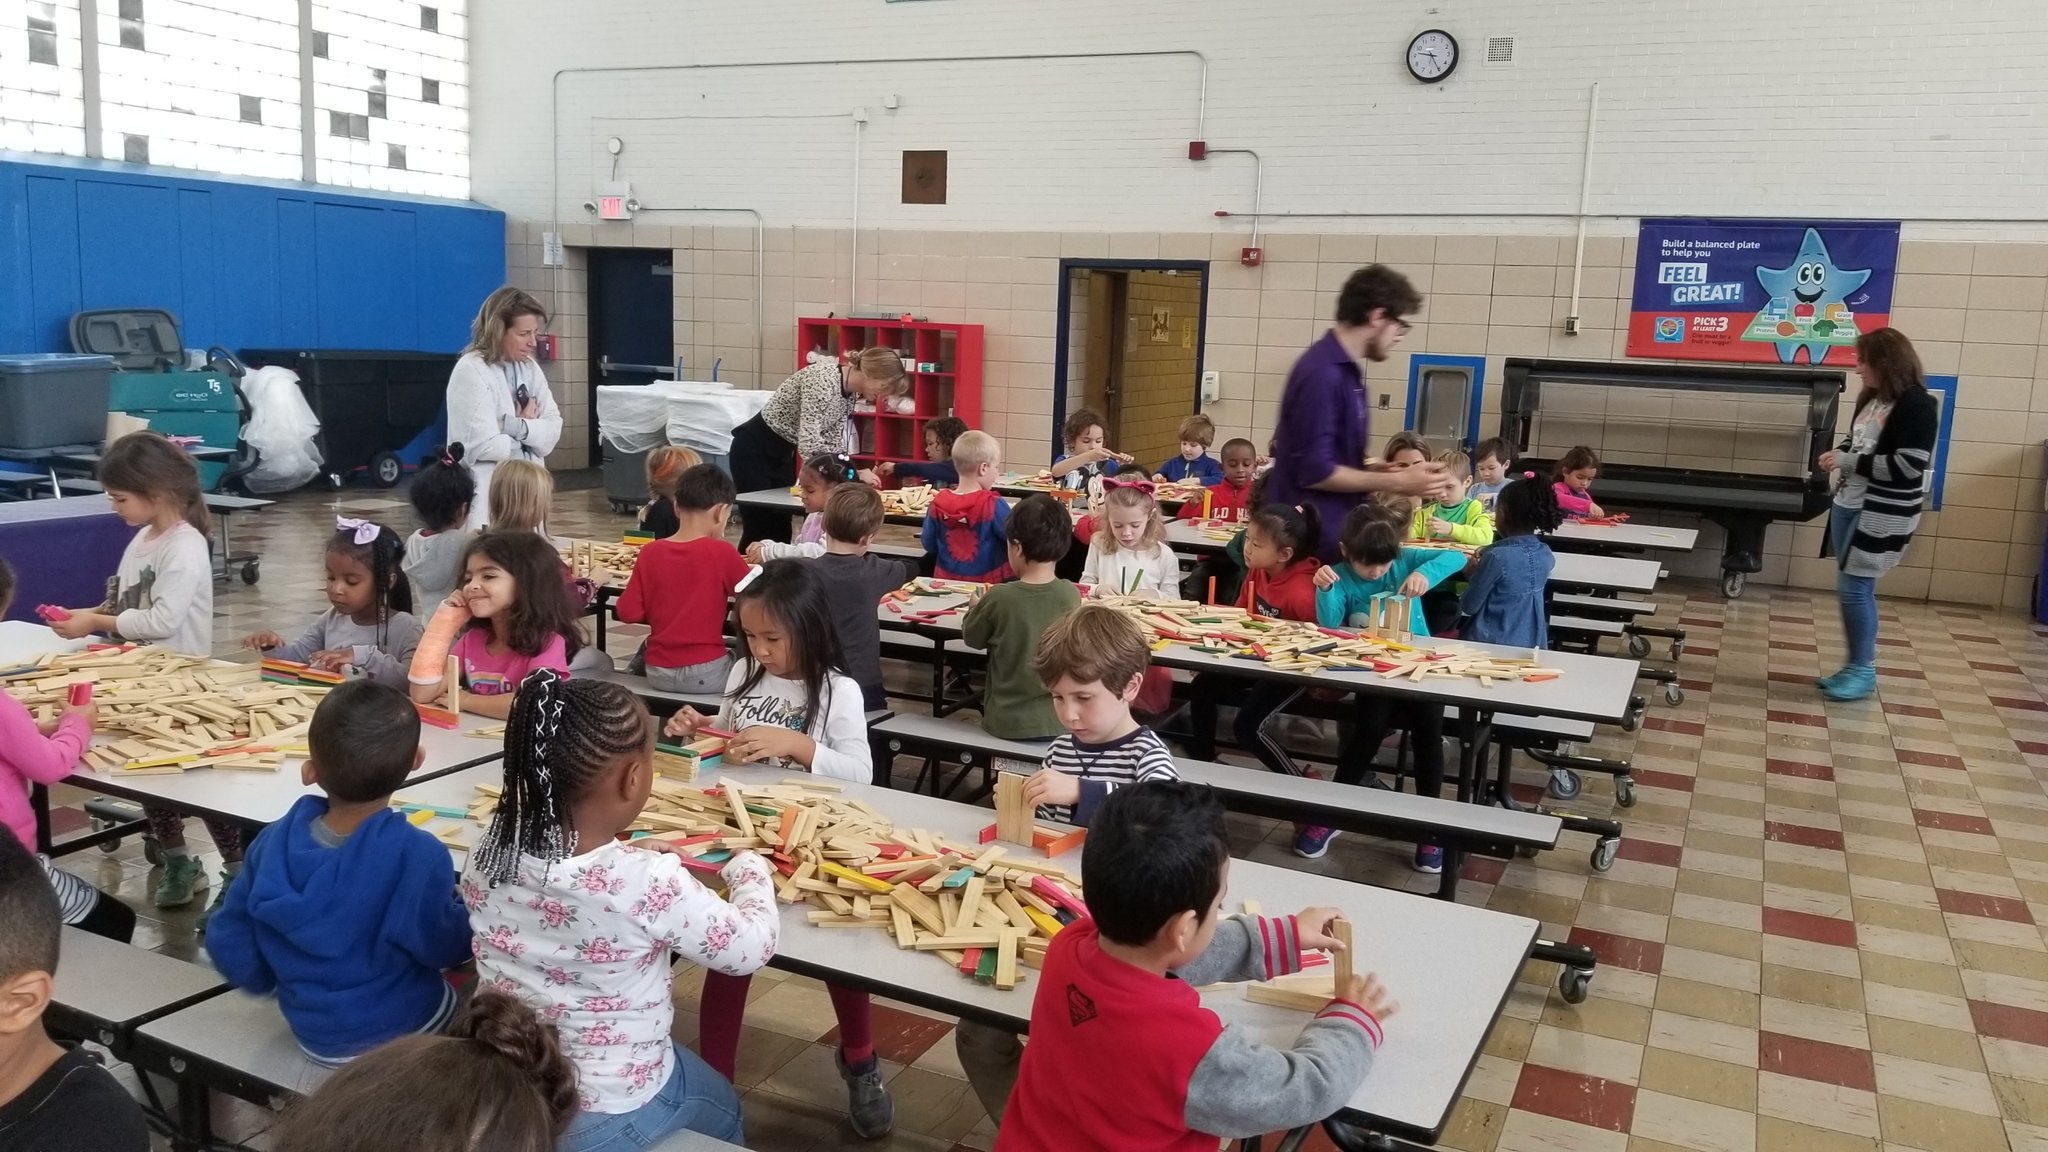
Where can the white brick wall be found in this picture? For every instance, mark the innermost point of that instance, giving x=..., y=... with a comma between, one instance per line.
x=1887, y=108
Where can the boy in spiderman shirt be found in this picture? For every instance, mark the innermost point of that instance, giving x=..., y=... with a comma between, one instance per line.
x=1123, y=1055
x=964, y=527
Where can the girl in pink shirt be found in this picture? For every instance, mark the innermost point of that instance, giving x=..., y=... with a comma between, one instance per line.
x=521, y=620
x=1574, y=482
x=31, y=754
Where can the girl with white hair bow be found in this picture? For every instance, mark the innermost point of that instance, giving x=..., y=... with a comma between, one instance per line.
x=368, y=626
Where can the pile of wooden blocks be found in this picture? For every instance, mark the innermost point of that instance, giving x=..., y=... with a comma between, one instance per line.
x=907, y=501
x=162, y=712
x=593, y=559
x=1390, y=616
x=985, y=910
x=1220, y=531
x=294, y=672
x=1182, y=490
x=1296, y=646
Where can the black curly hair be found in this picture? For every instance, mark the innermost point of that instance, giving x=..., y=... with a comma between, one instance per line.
x=384, y=556
x=443, y=490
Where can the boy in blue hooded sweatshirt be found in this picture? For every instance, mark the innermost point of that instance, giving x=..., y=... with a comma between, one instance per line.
x=1375, y=563
x=343, y=908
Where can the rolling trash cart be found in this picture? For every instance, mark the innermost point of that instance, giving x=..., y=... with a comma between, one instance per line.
x=381, y=413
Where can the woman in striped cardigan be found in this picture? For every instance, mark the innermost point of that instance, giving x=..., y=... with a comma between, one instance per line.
x=1881, y=469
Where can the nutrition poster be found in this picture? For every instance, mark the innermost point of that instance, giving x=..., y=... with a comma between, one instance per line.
x=1760, y=291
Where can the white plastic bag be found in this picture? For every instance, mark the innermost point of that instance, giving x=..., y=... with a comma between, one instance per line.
x=282, y=429
x=703, y=416
x=633, y=418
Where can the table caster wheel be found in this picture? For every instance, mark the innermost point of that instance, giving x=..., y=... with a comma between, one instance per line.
x=1638, y=646
x=1526, y=851
x=250, y=573
x=1564, y=783
x=1673, y=694
x=111, y=846
x=1572, y=984
x=1633, y=720
x=1603, y=854
x=1731, y=584
x=1677, y=651
x=1624, y=791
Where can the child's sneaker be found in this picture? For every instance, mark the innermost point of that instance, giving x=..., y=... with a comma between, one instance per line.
x=1310, y=841
x=868, y=1106
x=1858, y=681
x=220, y=895
x=183, y=877
x=1429, y=858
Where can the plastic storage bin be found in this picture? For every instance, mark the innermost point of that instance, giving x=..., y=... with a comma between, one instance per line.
x=53, y=399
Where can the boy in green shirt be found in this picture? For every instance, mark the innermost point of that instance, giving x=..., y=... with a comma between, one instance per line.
x=1008, y=619
x=1461, y=517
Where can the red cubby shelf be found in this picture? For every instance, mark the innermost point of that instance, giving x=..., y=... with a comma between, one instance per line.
x=954, y=389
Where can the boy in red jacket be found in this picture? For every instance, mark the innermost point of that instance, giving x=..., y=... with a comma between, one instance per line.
x=1123, y=1055
x=1229, y=499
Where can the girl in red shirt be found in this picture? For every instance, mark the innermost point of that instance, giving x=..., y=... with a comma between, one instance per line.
x=1279, y=582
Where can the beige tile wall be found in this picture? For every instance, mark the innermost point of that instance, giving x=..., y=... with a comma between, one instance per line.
x=1973, y=309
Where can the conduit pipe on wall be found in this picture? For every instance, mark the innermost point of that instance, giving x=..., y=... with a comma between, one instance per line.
x=1571, y=318
x=853, y=295
x=760, y=264
x=1258, y=184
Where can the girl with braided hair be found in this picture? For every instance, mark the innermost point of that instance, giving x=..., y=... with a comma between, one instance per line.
x=368, y=625
x=580, y=925
x=790, y=703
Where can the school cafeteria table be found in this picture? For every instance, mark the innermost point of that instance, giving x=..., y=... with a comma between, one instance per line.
x=63, y=552
x=262, y=797
x=23, y=642
x=783, y=500
x=106, y=989
x=1451, y=991
x=1626, y=537
x=1012, y=484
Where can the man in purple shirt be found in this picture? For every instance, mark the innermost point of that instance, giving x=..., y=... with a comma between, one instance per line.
x=1319, y=445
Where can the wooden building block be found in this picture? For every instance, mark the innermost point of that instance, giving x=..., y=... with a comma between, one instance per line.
x=1006, y=958
x=1013, y=817
x=1341, y=929
x=1285, y=997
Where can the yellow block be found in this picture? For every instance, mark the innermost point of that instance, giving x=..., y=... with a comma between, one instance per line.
x=862, y=879
x=1046, y=924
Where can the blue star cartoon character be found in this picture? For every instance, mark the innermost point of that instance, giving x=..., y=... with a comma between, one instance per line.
x=1809, y=304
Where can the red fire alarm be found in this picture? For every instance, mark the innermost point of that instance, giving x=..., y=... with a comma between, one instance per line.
x=1252, y=257
x=544, y=347
x=1198, y=149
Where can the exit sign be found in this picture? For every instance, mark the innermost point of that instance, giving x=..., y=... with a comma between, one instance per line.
x=612, y=208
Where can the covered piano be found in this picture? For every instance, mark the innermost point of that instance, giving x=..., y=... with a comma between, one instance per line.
x=1737, y=446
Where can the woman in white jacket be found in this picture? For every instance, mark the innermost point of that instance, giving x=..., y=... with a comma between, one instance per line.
x=499, y=406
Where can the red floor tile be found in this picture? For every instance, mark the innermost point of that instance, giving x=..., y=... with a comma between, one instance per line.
x=1649, y=778
x=1651, y=852
x=1791, y=646
x=1318, y=1141
x=1667, y=724
x=2032, y=747
x=1586, y=1100
x=1483, y=869
x=1801, y=834
x=65, y=821
x=1921, y=711
x=1807, y=926
x=1799, y=769
x=899, y=1036
x=1973, y=639
x=1952, y=822
x=1815, y=1060
x=1790, y=678
x=1931, y=759
x=2019, y=704
x=1621, y=951
x=1901, y=673
x=1781, y=716
x=1978, y=904
x=1994, y=666
x=2026, y=1025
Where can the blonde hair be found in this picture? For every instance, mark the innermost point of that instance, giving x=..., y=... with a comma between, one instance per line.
x=1407, y=440
x=1132, y=496
x=884, y=367
x=521, y=491
x=500, y=310
x=148, y=464
x=975, y=448
x=1456, y=463
x=665, y=467
x=1198, y=429
x=1093, y=644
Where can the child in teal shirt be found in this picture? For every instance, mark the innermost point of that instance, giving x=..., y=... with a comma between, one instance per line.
x=1375, y=563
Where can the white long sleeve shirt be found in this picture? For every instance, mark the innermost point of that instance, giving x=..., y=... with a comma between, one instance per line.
x=839, y=727
x=163, y=591
x=484, y=418
x=586, y=942
x=1151, y=571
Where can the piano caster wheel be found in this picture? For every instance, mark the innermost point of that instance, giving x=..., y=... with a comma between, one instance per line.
x=1731, y=584
x=1638, y=646
x=1677, y=651
x=1564, y=783
x=1624, y=792
x=1572, y=984
x=1673, y=694
x=1603, y=854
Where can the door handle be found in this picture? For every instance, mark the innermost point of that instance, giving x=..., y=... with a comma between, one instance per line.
x=605, y=365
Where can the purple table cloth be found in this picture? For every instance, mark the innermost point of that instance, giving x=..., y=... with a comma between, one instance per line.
x=62, y=551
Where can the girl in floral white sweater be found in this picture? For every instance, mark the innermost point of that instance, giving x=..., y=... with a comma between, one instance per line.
x=581, y=926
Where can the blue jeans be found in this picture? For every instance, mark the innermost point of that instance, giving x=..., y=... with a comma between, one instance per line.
x=695, y=1098
x=1858, y=594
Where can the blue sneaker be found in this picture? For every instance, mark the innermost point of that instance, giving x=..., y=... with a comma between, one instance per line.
x=1310, y=842
x=1829, y=681
x=1429, y=858
x=1857, y=682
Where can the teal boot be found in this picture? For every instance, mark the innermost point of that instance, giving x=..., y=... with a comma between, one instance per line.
x=1857, y=682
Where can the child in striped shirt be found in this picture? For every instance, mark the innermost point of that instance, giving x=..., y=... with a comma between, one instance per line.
x=1092, y=661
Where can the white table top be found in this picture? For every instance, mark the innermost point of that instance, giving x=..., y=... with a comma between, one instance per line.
x=23, y=642
x=1382, y=804
x=1609, y=573
x=1595, y=689
x=1450, y=991
x=1630, y=536
x=453, y=790
x=244, y=1034
x=115, y=984
x=262, y=797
